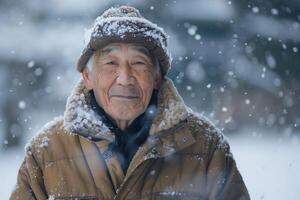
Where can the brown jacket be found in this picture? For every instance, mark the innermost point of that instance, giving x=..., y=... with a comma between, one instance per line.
x=184, y=157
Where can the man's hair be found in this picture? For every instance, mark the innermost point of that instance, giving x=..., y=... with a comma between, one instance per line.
x=89, y=64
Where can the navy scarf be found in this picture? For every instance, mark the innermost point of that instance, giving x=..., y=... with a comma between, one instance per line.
x=129, y=140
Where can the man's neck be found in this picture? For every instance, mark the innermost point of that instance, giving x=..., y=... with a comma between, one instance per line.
x=123, y=124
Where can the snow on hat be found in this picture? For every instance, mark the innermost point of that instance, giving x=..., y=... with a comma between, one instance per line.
x=126, y=24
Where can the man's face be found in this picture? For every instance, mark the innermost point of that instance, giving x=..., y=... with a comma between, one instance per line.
x=123, y=78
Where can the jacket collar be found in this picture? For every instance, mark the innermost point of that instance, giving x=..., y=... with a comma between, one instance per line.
x=81, y=119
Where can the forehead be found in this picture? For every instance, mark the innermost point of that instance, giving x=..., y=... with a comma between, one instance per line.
x=119, y=47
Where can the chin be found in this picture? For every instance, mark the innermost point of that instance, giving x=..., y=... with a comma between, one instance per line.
x=126, y=114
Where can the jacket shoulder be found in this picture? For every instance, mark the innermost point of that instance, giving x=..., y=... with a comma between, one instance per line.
x=205, y=131
x=51, y=143
x=41, y=139
x=223, y=178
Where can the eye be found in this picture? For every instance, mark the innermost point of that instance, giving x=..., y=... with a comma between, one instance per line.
x=139, y=63
x=111, y=63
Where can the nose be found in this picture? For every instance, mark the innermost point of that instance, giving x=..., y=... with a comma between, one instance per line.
x=125, y=76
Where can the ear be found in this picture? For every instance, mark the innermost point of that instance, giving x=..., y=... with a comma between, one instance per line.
x=157, y=81
x=87, y=78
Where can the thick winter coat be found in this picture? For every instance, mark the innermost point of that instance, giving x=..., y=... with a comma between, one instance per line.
x=184, y=157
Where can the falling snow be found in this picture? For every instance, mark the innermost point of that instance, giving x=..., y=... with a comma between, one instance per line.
x=255, y=9
x=237, y=63
x=22, y=104
x=30, y=64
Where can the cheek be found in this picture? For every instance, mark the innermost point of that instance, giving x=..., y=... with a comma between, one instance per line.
x=102, y=83
x=146, y=84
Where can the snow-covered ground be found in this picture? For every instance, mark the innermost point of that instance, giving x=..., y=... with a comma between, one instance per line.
x=270, y=165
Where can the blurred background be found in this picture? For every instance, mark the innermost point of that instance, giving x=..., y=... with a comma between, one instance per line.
x=236, y=62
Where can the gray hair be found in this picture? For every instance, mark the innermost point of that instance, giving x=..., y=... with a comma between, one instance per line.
x=89, y=64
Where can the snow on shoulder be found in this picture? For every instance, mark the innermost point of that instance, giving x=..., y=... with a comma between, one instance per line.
x=42, y=138
x=210, y=130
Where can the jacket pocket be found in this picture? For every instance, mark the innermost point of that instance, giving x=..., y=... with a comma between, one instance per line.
x=178, y=195
x=164, y=195
x=73, y=198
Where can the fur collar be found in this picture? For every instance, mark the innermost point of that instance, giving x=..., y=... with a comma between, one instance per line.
x=79, y=117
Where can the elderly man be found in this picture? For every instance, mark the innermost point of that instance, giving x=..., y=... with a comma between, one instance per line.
x=126, y=133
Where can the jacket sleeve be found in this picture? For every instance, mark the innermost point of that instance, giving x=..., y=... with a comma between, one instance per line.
x=29, y=180
x=223, y=178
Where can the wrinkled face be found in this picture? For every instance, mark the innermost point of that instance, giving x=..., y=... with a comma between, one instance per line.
x=122, y=77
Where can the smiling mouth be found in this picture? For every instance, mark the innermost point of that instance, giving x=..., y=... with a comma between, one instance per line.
x=124, y=97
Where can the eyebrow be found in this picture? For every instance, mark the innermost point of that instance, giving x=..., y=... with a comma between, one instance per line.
x=108, y=49
x=145, y=52
x=142, y=50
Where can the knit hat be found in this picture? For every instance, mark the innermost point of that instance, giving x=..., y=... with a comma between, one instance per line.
x=126, y=24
